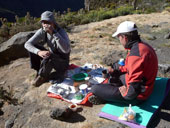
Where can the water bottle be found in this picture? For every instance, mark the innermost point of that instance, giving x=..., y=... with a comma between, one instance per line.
x=121, y=62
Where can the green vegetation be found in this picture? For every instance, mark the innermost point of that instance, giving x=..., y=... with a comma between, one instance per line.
x=65, y=20
x=69, y=19
x=167, y=9
x=22, y=24
x=166, y=44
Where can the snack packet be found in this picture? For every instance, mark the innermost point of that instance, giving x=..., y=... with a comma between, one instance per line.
x=124, y=115
x=128, y=115
x=131, y=114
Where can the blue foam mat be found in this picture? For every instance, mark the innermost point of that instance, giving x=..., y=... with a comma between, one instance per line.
x=143, y=111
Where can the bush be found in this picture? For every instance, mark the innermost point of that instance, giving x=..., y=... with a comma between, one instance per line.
x=167, y=9
x=4, y=31
x=65, y=20
x=125, y=10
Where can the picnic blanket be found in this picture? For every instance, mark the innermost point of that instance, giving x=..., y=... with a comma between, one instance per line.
x=69, y=92
x=144, y=111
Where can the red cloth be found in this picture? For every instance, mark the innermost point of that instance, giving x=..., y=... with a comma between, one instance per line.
x=84, y=102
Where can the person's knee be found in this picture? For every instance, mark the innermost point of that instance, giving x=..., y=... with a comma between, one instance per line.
x=94, y=89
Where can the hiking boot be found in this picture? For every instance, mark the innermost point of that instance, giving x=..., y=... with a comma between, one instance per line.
x=95, y=100
x=38, y=81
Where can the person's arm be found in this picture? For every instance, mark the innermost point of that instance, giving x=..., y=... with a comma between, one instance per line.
x=135, y=78
x=35, y=39
x=62, y=40
x=115, y=68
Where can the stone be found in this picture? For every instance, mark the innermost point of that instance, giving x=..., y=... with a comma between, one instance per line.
x=14, y=47
x=167, y=36
x=164, y=68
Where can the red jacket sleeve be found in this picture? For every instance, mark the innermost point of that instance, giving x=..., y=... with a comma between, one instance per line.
x=133, y=77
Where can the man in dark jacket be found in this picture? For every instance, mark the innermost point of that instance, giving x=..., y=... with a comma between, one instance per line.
x=132, y=83
x=55, y=55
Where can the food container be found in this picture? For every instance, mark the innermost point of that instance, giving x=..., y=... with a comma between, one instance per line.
x=121, y=62
x=128, y=115
x=79, y=76
x=73, y=107
x=78, y=96
x=83, y=89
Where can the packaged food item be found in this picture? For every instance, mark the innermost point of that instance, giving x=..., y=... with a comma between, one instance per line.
x=79, y=96
x=60, y=91
x=124, y=115
x=128, y=114
x=131, y=114
x=66, y=93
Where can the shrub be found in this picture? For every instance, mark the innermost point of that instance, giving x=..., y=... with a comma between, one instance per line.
x=29, y=23
x=167, y=9
x=4, y=31
x=125, y=10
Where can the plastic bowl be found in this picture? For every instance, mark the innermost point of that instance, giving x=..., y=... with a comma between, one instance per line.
x=73, y=107
x=79, y=76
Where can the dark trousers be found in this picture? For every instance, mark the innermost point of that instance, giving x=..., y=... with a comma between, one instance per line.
x=45, y=66
x=110, y=91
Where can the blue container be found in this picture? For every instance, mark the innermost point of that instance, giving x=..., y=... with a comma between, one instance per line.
x=121, y=62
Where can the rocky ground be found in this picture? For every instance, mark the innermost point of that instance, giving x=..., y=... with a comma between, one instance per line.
x=24, y=106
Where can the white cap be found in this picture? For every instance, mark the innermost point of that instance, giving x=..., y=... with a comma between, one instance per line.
x=126, y=26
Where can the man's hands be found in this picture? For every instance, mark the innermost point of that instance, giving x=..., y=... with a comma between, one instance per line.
x=110, y=70
x=44, y=54
x=48, y=28
x=122, y=90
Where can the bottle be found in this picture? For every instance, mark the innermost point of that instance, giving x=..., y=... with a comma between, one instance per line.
x=121, y=62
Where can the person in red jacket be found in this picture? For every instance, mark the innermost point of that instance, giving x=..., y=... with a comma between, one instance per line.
x=133, y=82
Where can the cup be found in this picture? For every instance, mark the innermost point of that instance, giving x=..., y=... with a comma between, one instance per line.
x=83, y=89
x=73, y=107
x=46, y=27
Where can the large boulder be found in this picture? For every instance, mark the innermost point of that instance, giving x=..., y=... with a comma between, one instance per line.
x=113, y=57
x=14, y=47
x=164, y=68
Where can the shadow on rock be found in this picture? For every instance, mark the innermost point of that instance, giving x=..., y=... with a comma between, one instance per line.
x=157, y=118
x=1, y=112
x=56, y=77
x=76, y=117
x=161, y=114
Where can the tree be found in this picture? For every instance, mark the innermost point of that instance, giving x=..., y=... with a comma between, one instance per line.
x=87, y=5
x=28, y=18
x=134, y=4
